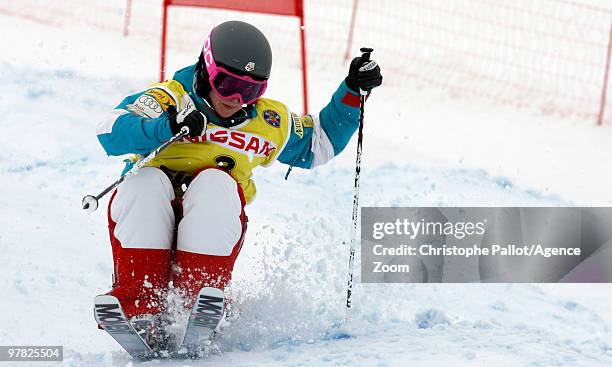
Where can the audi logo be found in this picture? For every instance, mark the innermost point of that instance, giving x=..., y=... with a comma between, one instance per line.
x=150, y=102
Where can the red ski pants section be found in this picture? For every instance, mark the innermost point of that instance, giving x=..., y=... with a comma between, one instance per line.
x=143, y=272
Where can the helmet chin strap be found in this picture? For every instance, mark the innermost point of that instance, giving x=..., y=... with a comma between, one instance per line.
x=234, y=120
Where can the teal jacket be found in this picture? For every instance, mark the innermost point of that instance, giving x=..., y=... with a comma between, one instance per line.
x=314, y=140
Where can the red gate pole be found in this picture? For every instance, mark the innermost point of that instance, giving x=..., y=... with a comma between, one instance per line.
x=604, y=91
x=349, y=42
x=128, y=15
x=300, y=5
x=162, y=72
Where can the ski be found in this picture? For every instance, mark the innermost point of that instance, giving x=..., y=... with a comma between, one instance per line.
x=111, y=318
x=205, y=315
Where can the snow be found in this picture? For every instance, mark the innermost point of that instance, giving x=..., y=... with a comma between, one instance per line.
x=61, y=74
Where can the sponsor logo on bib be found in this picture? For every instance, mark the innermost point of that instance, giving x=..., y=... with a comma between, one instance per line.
x=272, y=118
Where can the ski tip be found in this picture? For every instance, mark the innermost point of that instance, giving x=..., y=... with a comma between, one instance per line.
x=105, y=298
x=212, y=291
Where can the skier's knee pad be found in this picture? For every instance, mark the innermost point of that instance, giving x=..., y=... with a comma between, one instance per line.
x=141, y=212
x=213, y=215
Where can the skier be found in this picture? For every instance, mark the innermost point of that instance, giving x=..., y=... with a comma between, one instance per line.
x=179, y=224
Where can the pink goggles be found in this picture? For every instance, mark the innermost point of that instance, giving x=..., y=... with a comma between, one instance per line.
x=229, y=85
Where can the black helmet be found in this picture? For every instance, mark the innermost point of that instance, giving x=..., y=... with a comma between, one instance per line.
x=237, y=47
x=241, y=48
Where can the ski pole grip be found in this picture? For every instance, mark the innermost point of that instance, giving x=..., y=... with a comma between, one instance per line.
x=365, y=53
x=365, y=57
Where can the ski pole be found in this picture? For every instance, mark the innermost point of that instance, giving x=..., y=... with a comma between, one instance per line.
x=90, y=202
x=365, y=55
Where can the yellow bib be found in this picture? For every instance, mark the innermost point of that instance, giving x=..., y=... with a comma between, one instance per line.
x=237, y=150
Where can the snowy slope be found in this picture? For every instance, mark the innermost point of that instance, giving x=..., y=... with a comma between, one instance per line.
x=61, y=76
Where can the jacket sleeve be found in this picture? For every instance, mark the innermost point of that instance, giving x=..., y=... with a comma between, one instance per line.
x=316, y=139
x=138, y=125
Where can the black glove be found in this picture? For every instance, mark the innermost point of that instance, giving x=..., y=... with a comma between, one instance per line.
x=193, y=119
x=363, y=74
